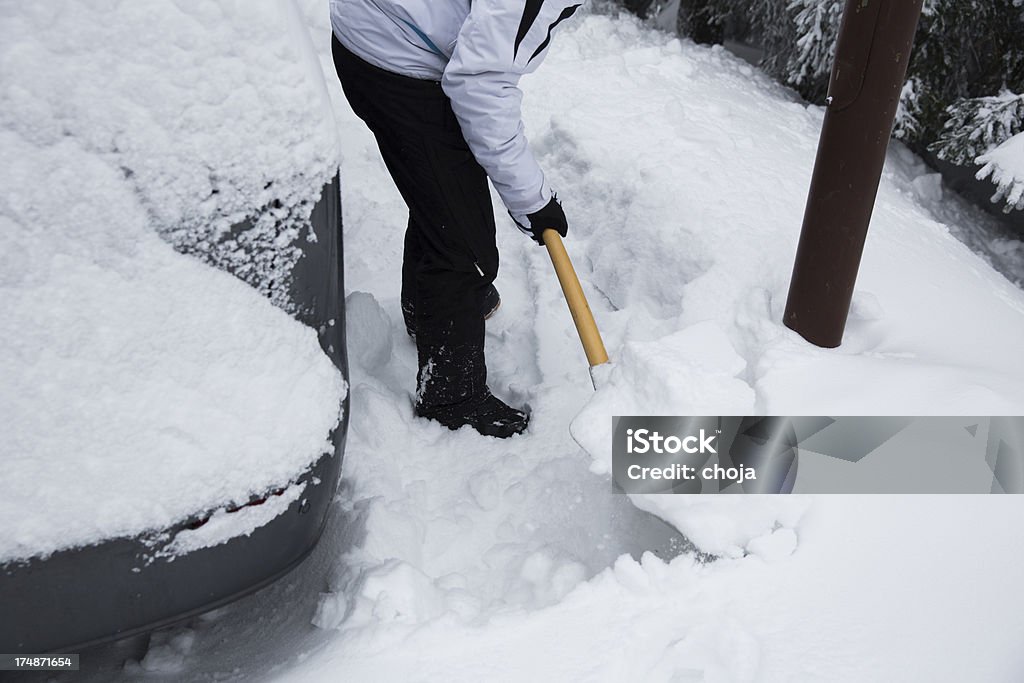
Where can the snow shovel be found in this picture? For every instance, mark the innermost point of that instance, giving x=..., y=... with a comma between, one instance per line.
x=578, y=306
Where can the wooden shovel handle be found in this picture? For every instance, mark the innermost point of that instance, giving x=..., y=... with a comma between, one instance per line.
x=578, y=306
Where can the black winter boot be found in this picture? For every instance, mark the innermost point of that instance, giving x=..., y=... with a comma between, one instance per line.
x=452, y=388
x=486, y=414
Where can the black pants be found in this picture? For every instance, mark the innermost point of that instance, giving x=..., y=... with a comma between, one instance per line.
x=450, y=253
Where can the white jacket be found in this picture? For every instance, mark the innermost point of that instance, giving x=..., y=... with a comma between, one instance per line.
x=477, y=49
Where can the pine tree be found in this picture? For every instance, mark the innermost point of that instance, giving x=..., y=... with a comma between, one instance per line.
x=1004, y=166
x=808, y=67
x=963, y=95
x=907, y=126
x=966, y=83
x=702, y=20
x=977, y=125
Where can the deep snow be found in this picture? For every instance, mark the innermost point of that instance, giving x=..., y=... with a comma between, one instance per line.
x=454, y=557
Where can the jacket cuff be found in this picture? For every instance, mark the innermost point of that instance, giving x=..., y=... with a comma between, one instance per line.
x=524, y=205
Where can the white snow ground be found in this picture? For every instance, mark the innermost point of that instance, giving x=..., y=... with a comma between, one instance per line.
x=452, y=557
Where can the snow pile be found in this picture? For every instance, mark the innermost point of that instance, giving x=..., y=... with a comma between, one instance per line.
x=214, y=112
x=167, y=653
x=694, y=371
x=142, y=387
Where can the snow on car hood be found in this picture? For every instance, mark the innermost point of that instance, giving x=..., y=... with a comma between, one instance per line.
x=215, y=113
x=140, y=386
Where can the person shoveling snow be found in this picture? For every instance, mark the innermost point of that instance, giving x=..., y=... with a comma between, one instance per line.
x=436, y=83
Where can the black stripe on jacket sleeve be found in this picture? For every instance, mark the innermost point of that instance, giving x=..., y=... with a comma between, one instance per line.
x=566, y=13
x=530, y=12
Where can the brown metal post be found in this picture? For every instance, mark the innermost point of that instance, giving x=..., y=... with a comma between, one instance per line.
x=872, y=55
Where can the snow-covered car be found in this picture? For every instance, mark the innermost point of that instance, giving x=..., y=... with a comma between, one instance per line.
x=173, y=430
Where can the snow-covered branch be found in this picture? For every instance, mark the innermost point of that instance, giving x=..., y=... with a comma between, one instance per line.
x=1004, y=165
x=979, y=124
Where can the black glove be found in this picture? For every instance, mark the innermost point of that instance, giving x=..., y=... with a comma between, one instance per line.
x=549, y=216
